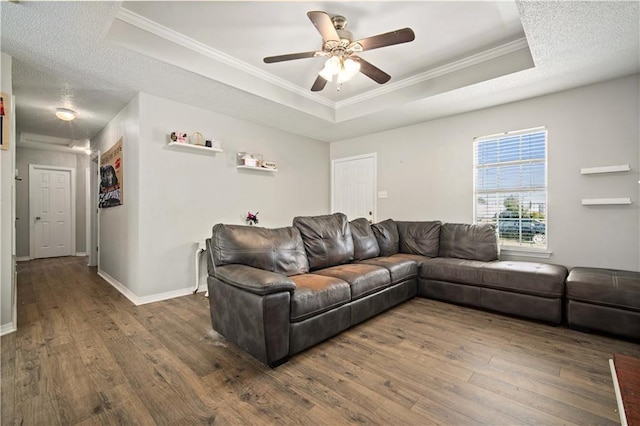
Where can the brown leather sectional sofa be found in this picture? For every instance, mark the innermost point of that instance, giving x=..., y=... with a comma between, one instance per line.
x=276, y=292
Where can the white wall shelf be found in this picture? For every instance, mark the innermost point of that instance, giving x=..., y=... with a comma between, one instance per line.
x=188, y=146
x=605, y=169
x=262, y=169
x=605, y=201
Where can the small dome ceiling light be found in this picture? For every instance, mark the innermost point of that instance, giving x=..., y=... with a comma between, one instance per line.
x=65, y=114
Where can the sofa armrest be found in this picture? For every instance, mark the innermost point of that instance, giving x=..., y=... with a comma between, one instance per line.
x=254, y=280
x=259, y=324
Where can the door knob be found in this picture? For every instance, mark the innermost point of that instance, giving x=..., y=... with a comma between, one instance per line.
x=37, y=217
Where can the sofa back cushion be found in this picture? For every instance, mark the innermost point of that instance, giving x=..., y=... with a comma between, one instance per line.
x=473, y=242
x=277, y=250
x=421, y=238
x=365, y=245
x=386, y=233
x=327, y=239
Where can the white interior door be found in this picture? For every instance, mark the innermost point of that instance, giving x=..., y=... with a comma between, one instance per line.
x=353, y=186
x=51, y=211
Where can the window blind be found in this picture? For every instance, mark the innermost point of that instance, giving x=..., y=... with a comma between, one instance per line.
x=510, y=186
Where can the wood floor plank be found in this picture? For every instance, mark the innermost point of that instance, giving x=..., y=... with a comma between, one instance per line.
x=102, y=368
x=551, y=403
x=39, y=410
x=85, y=355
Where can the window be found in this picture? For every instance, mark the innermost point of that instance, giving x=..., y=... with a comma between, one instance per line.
x=510, y=187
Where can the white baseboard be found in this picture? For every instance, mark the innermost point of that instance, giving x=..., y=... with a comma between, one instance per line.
x=136, y=300
x=118, y=286
x=81, y=253
x=23, y=258
x=7, y=328
x=164, y=296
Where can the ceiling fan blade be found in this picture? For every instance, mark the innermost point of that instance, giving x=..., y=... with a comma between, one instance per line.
x=373, y=72
x=387, y=39
x=319, y=84
x=289, y=57
x=323, y=24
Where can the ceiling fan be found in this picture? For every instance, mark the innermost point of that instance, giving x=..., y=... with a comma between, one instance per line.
x=340, y=49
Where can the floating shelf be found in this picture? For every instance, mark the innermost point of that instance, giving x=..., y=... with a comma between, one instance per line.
x=188, y=146
x=262, y=169
x=605, y=201
x=605, y=169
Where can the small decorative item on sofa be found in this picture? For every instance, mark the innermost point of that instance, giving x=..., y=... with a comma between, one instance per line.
x=179, y=137
x=252, y=218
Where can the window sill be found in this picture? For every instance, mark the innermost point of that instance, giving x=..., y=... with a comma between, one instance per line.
x=523, y=252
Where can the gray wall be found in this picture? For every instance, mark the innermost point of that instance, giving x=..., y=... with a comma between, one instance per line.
x=427, y=169
x=184, y=193
x=27, y=156
x=119, y=239
x=173, y=197
x=7, y=262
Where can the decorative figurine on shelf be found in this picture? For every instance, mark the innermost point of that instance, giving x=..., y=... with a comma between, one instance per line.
x=197, y=138
x=179, y=137
x=252, y=219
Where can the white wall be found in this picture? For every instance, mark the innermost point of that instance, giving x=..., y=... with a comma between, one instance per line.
x=27, y=156
x=184, y=193
x=427, y=169
x=7, y=262
x=119, y=237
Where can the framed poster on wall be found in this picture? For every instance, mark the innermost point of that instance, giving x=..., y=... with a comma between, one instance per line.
x=5, y=120
x=111, y=183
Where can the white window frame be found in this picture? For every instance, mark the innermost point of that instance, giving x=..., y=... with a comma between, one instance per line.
x=517, y=250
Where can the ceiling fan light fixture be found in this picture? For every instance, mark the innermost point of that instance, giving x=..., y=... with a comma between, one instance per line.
x=349, y=70
x=331, y=68
x=65, y=114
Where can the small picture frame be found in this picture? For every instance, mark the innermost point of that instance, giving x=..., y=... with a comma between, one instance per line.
x=5, y=120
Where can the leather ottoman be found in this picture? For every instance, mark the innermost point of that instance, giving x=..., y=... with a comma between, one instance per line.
x=606, y=300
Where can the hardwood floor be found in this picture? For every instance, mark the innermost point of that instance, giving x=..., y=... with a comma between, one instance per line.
x=83, y=354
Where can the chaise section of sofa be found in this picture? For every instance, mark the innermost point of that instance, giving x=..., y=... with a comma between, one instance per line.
x=465, y=269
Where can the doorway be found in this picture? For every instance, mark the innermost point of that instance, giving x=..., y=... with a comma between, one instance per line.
x=353, y=186
x=52, y=211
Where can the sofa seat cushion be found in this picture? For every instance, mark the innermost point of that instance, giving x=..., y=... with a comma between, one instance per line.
x=363, y=279
x=453, y=270
x=538, y=279
x=609, y=287
x=315, y=294
x=399, y=269
x=415, y=257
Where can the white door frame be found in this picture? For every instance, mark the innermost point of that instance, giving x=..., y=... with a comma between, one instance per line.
x=375, y=178
x=32, y=169
x=93, y=249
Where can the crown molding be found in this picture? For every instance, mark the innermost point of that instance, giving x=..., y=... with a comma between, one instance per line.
x=173, y=36
x=153, y=27
x=33, y=137
x=49, y=147
x=448, y=68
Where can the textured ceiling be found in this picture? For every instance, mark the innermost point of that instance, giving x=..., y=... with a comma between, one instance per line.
x=80, y=55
